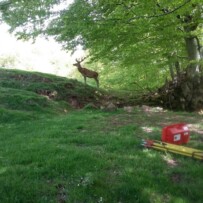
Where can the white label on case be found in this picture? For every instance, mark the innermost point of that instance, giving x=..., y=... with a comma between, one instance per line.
x=177, y=137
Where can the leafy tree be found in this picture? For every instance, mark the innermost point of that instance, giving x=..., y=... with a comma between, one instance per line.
x=8, y=61
x=144, y=39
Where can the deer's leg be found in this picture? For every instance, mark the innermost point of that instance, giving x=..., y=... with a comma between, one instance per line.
x=97, y=81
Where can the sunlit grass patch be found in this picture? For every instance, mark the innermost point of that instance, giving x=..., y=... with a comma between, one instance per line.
x=50, y=153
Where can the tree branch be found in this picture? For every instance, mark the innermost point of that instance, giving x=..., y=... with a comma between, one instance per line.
x=165, y=12
x=4, y=3
x=129, y=21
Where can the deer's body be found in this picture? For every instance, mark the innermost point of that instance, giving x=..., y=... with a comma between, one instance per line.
x=86, y=72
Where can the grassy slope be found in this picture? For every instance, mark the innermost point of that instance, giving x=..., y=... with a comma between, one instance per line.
x=21, y=90
x=89, y=155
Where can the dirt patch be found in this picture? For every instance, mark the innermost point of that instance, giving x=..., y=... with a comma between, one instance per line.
x=176, y=178
x=31, y=77
x=51, y=94
x=61, y=193
x=69, y=86
x=75, y=103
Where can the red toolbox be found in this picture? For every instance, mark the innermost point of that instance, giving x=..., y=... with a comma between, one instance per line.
x=176, y=134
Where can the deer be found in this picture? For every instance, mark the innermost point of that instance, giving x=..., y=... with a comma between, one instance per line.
x=86, y=72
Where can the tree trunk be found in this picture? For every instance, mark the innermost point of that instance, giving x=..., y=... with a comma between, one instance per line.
x=177, y=65
x=171, y=71
x=192, y=88
x=194, y=56
x=187, y=93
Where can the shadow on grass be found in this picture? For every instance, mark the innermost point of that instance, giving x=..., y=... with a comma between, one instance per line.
x=94, y=156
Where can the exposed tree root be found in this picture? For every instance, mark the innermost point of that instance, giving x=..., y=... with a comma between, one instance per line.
x=180, y=94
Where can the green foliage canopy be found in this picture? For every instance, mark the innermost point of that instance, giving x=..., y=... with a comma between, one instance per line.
x=136, y=38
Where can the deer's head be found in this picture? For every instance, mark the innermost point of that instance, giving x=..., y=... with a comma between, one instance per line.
x=77, y=64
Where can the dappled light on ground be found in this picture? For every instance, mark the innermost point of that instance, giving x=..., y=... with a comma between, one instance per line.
x=171, y=162
x=3, y=170
x=156, y=197
x=150, y=153
x=200, y=112
x=88, y=154
x=95, y=155
x=147, y=129
x=197, y=128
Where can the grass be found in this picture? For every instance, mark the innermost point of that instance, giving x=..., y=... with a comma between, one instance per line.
x=49, y=86
x=95, y=156
x=77, y=156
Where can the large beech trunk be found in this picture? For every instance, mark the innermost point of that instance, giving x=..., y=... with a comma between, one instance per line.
x=194, y=56
x=192, y=87
x=185, y=91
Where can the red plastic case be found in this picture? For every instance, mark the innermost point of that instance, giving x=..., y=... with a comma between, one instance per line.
x=176, y=134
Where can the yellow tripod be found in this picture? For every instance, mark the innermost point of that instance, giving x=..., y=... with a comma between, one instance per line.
x=163, y=146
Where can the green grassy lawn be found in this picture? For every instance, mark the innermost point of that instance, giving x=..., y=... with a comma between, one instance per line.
x=94, y=156
x=50, y=152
